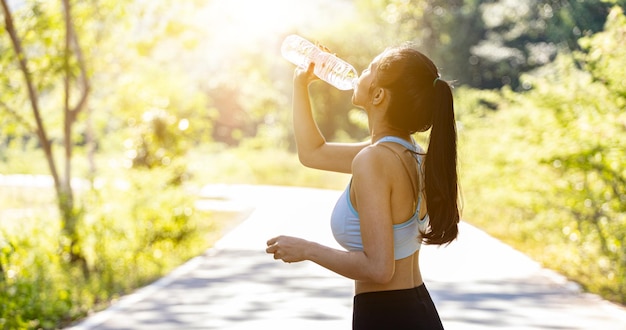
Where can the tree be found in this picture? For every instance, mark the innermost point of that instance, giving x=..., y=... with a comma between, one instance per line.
x=75, y=80
x=524, y=35
x=488, y=43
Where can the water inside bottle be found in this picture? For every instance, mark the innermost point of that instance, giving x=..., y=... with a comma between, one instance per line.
x=329, y=68
x=338, y=73
x=298, y=51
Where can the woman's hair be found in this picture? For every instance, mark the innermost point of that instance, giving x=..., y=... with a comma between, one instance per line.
x=420, y=100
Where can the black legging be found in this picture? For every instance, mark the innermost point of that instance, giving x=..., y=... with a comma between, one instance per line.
x=395, y=310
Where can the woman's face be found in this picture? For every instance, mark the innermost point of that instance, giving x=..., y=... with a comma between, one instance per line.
x=363, y=90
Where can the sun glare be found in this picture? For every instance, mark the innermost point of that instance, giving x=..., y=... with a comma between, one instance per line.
x=237, y=22
x=231, y=30
x=253, y=18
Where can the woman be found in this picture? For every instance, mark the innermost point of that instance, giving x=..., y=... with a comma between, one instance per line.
x=398, y=196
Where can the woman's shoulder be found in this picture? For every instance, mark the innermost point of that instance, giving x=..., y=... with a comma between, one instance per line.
x=373, y=158
x=374, y=152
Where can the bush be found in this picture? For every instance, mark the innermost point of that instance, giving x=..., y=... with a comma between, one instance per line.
x=33, y=290
x=553, y=183
x=138, y=228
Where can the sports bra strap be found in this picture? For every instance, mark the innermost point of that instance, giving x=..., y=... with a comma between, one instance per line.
x=415, y=191
x=398, y=140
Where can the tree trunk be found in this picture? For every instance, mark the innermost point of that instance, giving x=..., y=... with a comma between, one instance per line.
x=46, y=145
x=70, y=213
x=62, y=185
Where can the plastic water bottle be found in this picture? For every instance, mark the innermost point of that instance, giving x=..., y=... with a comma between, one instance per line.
x=328, y=67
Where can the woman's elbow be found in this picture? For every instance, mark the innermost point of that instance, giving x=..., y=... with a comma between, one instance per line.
x=307, y=160
x=304, y=160
x=382, y=275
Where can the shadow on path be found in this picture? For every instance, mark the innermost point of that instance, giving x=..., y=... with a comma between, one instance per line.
x=476, y=282
x=242, y=288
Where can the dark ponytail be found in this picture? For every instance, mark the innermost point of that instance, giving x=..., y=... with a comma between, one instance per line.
x=421, y=101
x=440, y=168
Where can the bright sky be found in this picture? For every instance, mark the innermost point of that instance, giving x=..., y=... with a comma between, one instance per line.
x=239, y=23
x=231, y=28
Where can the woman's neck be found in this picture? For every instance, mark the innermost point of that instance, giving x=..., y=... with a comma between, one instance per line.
x=379, y=127
x=381, y=132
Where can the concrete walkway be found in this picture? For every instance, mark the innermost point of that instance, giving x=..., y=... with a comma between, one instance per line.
x=477, y=282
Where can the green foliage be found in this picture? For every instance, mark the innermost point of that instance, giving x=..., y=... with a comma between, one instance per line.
x=521, y=36
x=155, y=231
x=130, y=237
x=604, y=54
x=553, y=183
x=487, y=44
x=543, y=170
x=157, y=140
x=592, y=166
x=253, y=165
x=33, y=291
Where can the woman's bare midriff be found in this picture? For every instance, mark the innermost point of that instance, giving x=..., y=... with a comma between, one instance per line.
x=406, y=276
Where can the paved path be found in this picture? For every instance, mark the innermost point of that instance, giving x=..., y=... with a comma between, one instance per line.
x=477, y=282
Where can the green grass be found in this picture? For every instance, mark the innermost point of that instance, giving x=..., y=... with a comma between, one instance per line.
x=263, y=167
x=129, y=236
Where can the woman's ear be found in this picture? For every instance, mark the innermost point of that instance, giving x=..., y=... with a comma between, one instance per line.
x=379, y=96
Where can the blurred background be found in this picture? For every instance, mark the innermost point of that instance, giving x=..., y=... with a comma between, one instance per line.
x=114, y=115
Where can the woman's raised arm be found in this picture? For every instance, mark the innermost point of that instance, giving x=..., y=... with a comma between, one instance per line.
x=313, y=150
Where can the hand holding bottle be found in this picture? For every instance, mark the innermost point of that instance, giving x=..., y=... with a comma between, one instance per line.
x=305, y=76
